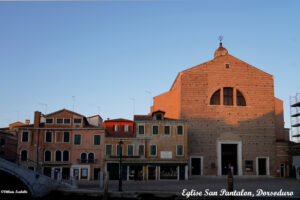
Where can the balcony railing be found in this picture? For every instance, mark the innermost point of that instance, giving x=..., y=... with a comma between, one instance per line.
x=87, y=160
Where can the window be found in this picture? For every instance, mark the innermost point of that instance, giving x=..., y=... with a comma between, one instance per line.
x=48, y=137
x=158, y=117
x=248, y=165
x=66, y=156
x=23, y=155
x=141, y=129
x=47, y=156
x=67, y=121
x=77, y=121
x=108, y=150
x=130, y=150
x=126, y=128
x=2, y=142
x=91, y=158
x=49, y=121
x=228, y=96
x=58, y=156
x=25, y=136
x=179, y=150
x=155, y=130
x=97, y=139
x=215, y=98
x=167, y=130
x=119, y=149
x=77, y=139
x=141, y=150
x=116, y=128
x=59, y=120
x=66, y=137
x=179, y=130
x=240, y=100
x=152, y=150
x=83, y=158
x=227, y=66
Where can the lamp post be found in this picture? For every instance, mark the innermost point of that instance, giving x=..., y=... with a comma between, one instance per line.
x=120, y=170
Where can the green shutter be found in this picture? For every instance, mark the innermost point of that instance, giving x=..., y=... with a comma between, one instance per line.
x=153, y=150
x=77, y=140
x=97, y=139
x=130, y=150
x=179, y=150
x=108, y=150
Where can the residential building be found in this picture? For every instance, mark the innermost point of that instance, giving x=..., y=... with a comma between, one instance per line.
x=157, y=149
x=63, y=142
x=8, y=146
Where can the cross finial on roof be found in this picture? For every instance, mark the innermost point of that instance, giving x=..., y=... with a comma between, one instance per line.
x=220, y=38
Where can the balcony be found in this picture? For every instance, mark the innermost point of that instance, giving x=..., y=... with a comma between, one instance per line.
x=91, y=161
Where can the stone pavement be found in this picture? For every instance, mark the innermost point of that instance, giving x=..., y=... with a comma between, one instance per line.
x=201, y=184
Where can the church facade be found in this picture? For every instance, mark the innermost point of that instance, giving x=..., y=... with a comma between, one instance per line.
x=234, y=119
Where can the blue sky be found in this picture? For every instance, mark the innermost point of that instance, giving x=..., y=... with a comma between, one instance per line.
x=105, y=53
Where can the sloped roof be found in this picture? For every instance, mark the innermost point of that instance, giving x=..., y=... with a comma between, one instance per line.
x=118, y=120
x=62, y=111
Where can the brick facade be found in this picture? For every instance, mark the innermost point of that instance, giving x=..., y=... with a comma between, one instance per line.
x=254, y=127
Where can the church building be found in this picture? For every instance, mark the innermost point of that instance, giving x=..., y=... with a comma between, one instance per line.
x=233, y=117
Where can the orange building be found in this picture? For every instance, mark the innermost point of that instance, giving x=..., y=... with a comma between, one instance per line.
x=118, y=127
x=63, y=142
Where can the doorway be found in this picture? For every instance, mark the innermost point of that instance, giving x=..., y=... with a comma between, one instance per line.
x=229, y=158
x=196, y=166
x=96, y=173
x=262, y=166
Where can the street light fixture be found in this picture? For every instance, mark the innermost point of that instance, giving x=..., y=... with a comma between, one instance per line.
x=120, y=170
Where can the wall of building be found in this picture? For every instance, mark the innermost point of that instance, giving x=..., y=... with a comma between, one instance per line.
x=253, y=125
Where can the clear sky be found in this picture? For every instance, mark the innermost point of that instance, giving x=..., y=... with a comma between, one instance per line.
x=106, y=53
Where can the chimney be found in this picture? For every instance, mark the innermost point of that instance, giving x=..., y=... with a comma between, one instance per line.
x=37, y=119
x=27, y=121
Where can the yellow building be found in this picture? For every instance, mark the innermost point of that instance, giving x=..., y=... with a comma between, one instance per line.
x=157, y=149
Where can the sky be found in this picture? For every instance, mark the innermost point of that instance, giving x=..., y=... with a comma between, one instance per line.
x=111, y=57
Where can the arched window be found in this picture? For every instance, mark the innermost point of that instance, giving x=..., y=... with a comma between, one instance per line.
x=83, y=157
x=58, y=155
x=23, y=155
x=47, y=156
x=91, y=157
x=66, y=155
x=215, y=98
x=228, y=96
x=240, y=100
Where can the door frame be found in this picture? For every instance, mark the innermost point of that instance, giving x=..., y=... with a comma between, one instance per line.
x=201, y=165
x=239, y=155
x=267, y=166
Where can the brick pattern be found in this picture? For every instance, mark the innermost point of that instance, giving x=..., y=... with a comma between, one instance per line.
x=254, y=124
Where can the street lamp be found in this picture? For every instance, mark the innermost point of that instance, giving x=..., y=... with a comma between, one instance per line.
x=120, y=170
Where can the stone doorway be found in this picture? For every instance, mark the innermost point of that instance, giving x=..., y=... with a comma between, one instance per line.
x=229, y=158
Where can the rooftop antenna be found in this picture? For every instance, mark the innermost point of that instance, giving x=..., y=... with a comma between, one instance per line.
x=74, y=99
x=133, y=101
x=150, y=93
x=46, y=105
x=18, y=115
